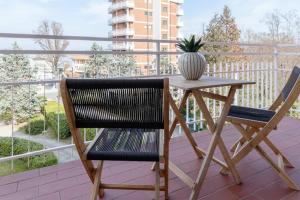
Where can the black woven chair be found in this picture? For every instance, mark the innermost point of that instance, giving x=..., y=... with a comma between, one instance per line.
x=249, y=121
x=133, y=118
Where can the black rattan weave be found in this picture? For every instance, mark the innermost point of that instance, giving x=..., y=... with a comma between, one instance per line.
x=126, y=144
x=251, y=113
x=117, y=103
x=291, y=82
x=129, y=110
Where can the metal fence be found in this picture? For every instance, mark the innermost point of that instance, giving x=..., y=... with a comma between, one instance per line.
x=265, y=67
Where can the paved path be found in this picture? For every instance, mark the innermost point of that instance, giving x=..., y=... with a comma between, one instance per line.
x=63, y=156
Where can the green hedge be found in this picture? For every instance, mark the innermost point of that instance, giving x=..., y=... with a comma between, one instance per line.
x=52, y=110
x=55, y=111
x=90, y=133
x=35, y=126
x=22, y=146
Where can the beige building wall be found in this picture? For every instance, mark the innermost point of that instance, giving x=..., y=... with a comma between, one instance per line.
x=146, y=19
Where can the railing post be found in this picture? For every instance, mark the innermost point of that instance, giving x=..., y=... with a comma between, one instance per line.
x=275, y=68
x=157, y=58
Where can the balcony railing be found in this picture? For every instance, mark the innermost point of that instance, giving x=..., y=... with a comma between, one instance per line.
x=179, y=35
x=122, y=32
x=121, y=5
x=178, y=1
x=122, y=46
x=120, y=19
x=180, y=23
x=180, y=12
x=262, y=63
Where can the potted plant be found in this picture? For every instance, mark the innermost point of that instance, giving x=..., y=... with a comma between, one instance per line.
x=192, y=63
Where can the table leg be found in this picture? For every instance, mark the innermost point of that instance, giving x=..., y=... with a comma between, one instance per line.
x=204, y=167
x=212, y=127
x=212, y=146
x=175, y=121
x=184, y=126
x=181, y=106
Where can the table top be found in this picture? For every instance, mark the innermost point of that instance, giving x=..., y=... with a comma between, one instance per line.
x=204, y=82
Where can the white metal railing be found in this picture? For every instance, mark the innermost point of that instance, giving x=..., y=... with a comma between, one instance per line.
x=269, y=75
x=179, y=35
x=120, y=19
x=121, y=32
x=180, y=12
x=121, y=5
x=180, y=23
x=122, y=46
x=178, y=1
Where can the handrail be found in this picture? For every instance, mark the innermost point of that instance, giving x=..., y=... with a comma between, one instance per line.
x=93, y=38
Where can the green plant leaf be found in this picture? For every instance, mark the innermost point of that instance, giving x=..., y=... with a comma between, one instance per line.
x=191, y=44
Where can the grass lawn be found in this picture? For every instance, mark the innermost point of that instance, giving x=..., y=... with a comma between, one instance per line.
x=18, y=166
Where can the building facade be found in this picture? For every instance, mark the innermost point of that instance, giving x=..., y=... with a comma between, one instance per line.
x=145, y=19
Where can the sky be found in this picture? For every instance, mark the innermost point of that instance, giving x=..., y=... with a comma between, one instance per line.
x=89, y=17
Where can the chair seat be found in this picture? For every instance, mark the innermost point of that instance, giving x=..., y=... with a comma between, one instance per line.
x=251, y=113
x=126, y=145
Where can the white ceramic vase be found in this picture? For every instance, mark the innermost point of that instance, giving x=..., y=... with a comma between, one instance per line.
x=192, y=65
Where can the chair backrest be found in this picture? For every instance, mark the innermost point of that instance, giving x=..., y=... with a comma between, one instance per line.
x=285, y=100
x=290, y=83
x=117, y=103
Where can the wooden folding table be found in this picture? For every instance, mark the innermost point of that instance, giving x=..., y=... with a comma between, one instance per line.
x=196, y=88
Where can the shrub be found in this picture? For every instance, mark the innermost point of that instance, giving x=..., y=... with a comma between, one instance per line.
x=6, y=117
x=55, y=115
x=35, y=126
x=90, y=133
x=43, y=160
x=22, y=146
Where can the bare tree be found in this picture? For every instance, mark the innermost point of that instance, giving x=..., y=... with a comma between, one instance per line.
x=273, y=21
x=56, y=29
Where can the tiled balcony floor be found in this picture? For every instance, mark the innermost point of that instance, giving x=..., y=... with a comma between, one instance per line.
x=69, y=181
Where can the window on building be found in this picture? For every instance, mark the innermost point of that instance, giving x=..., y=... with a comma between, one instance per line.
x=164, y=49
x=164, y=36
x=165, y=9
x=148, y=26
x=164, y=22
x=148, y=13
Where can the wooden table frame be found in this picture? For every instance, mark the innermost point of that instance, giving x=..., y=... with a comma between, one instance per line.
x=214, y=128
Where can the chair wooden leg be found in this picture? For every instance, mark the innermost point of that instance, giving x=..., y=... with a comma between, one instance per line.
x=97, y=182
x=153, y=166
x=240, y=141
x=166, y=177
x=101, y=193
x=276, y=151
x=279, y=169
x=157, y=181
x=229, y=162
x=286, y=162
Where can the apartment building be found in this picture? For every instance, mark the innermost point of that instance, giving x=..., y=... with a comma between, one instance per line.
x=145, y=19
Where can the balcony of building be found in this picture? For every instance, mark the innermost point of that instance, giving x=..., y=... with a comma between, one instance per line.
x=120, y=19
x=121, y=5
x=180, y=12
x=66, y=178
x=121, y=32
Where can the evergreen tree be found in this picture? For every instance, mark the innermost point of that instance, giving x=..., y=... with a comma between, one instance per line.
x=19, y=100
x=97, y=63
x=222, y=28
x=121, y=65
